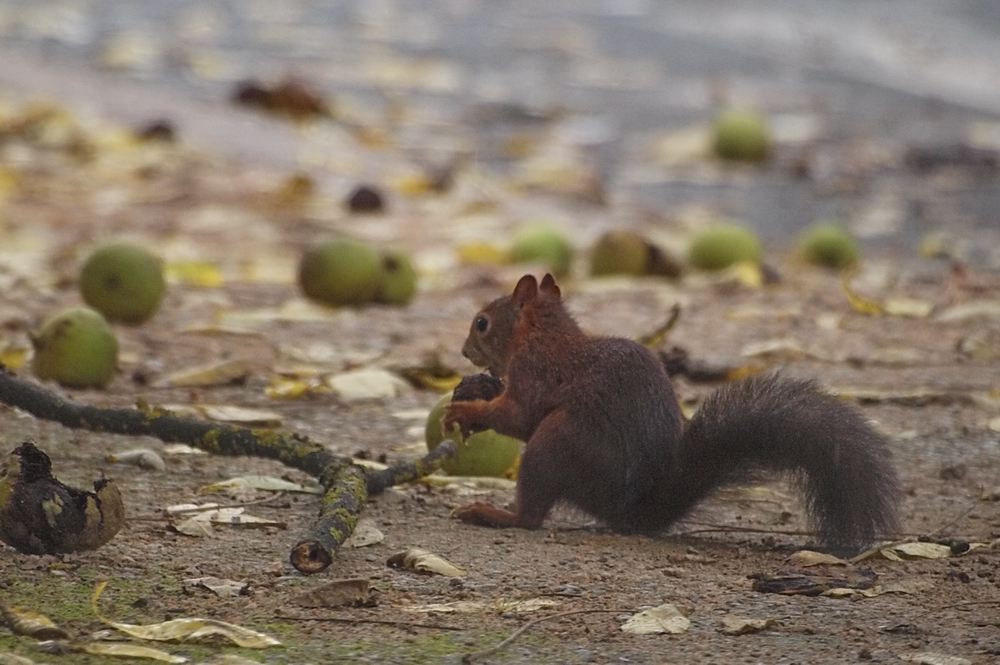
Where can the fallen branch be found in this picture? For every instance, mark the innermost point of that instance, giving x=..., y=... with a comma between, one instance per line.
x=347, y=485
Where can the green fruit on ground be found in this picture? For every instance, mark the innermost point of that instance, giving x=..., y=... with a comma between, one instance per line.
x=399, y=279
x=341, y=272
x=122, y=281
x=828, y=244
x=541, y=243
x=76, y=348
x=482, y=454
x=723, y=244
x=741, y=135
x=620, y=253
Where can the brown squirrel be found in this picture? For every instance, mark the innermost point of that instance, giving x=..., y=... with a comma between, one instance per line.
x=604, y=431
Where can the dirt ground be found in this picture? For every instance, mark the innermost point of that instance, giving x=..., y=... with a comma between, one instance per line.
x=928, y=380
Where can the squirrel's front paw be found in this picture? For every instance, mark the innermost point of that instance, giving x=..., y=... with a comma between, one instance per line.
x=458, y=414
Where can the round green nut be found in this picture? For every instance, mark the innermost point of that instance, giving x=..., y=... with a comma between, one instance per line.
x=483, y=454
x=620, y=253
x=723, y=244
x=341, y=272
x=123, y=281
x=541, y=243
x=828, y=244
x=741, y=135
x=76, y=348
x=399, y=279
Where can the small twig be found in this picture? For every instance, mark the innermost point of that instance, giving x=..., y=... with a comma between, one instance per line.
x=477, y=655
x=954, y=605
x=356, y=620
x=713, y=528
x=972, y=506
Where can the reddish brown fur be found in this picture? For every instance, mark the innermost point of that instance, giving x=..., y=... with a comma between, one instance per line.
x=604, y=431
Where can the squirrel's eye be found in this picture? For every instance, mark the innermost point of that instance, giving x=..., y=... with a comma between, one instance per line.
x=482, y=323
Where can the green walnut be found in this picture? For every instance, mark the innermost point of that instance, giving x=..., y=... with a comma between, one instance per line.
x=741, y=135
x=541, y=243
x=341, y=272
x=721, y=245
x=482, y=454
x=399, y=279
x=620, y=253
x=122, y=281
x=828, y=244
x=76, y=348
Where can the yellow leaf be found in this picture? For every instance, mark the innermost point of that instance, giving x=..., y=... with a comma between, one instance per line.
x=10, y=181
x=807, y=558
x=481, y=253
x=214, y=374
x=749, y=274
x=13, y=356
x=413, y=184
x=23, y=621
x=285, y=388
x=441, y=384
x=860, y=304
x=194, y=273
x=655, y=338
x=131, y=651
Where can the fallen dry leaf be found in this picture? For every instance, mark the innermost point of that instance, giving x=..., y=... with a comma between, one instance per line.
x=212, y=374
x=130, y=651
x=140, y=457
x=662, y=619
x=23, y=621
x=186, y=629
x=220, y=587
x=742, y=626
x=365, y=534
x=806, y=558
x=267, y=483
x=932, y=658
x=422, y=561
x=367, y=384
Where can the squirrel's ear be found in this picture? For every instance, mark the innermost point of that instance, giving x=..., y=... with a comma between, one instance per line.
x=549, y=286
x=526, y=289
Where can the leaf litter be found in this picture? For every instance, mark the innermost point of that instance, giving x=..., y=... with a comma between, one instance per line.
x=117, y=158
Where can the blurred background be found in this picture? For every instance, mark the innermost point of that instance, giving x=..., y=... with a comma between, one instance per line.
x=884, y=114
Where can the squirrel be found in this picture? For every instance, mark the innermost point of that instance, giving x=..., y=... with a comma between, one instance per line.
x=604, y=431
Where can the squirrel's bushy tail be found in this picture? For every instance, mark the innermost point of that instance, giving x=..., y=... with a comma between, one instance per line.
x=844, y=466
